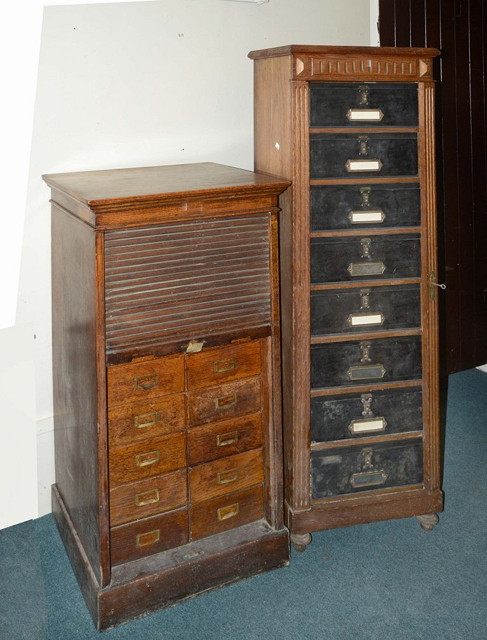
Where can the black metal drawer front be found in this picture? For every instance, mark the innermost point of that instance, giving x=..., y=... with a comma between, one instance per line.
x=354, y=469
x=362, y=104
x=374, y=154
x=364, y=206
x=365, y=362
x=360, y=415
x=365, y=309
x=361, y=258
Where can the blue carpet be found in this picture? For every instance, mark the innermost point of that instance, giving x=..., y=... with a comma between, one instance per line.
x=387, y=580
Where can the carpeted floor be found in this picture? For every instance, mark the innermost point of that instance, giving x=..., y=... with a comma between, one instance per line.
x=386, y=580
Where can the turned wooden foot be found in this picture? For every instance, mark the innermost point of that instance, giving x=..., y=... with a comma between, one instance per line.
x=428, y=521
x=300, y=541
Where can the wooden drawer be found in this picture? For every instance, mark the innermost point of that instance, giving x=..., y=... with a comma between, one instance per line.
x=147, y=497
x=225, y=476
x=145, y=380
x=365, y=258
x=148, y=536
x=150, y=419
x=227, y=512
x=365, y=309
x=365, y=362
x=354, y=469
x=216, y=366
x=225, y=401
x=366, y=414
x=148, y=458
x=224, y=438
x=346, y=155
x=364, y=206
x=361, y=104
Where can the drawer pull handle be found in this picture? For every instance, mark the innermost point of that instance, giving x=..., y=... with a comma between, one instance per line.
x=364, y=299
x=366, y=269
x=363, y=92
x=226, y=477
x=365, y=352
x=225, y=402
x=224, y=513
x=367, y=425
x=366, y=372
x=225, y=439
x=368, y=479
x=365, y=319
x=363, y=142
x=148, y=497
x=364, y=115
x=365, y=245
x=146, y=420
x=225, y=365
x=366, y=400
x=146, y=382
x=148, y=538
x=146, y=459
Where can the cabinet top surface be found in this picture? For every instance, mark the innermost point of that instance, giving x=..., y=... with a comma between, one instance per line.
x=164, y=183
x=334, y=51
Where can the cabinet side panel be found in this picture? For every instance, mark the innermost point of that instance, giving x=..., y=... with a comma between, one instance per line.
x=272, y=116
x=75, y=379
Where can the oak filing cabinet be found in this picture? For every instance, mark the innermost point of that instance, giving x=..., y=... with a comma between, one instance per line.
x=166, y=382
x=353, y=128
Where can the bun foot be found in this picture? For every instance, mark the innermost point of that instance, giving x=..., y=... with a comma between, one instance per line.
x=428, y=521
x=300, y=541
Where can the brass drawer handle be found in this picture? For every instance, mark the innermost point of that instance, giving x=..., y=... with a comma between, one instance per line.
x=363, y=91
x=225, y=402
x=146, y=382
x=225, y=365
x=146, y=459
x=147, y=497
x=146, y=539
x=224, y=513
x=224, y=439
x=226, y=477
x=146, y=420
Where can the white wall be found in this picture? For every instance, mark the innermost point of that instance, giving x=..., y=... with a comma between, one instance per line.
x=132, y=84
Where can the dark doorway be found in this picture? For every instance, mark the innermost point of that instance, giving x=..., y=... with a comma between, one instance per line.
x=459, y=29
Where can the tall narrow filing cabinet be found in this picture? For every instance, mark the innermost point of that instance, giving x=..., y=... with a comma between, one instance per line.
x=353, y=128
x=166, y=382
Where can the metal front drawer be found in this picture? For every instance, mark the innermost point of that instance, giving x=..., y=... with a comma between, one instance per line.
x=346, y=155
x=363, y=104
x=364, y=206
x=365, y=309
x=365, y=362
x=360, y=415
x=355, y=469
x=362, y=258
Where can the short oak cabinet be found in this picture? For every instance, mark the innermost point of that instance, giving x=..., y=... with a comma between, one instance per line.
x=353, y=129
x=166, y=382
